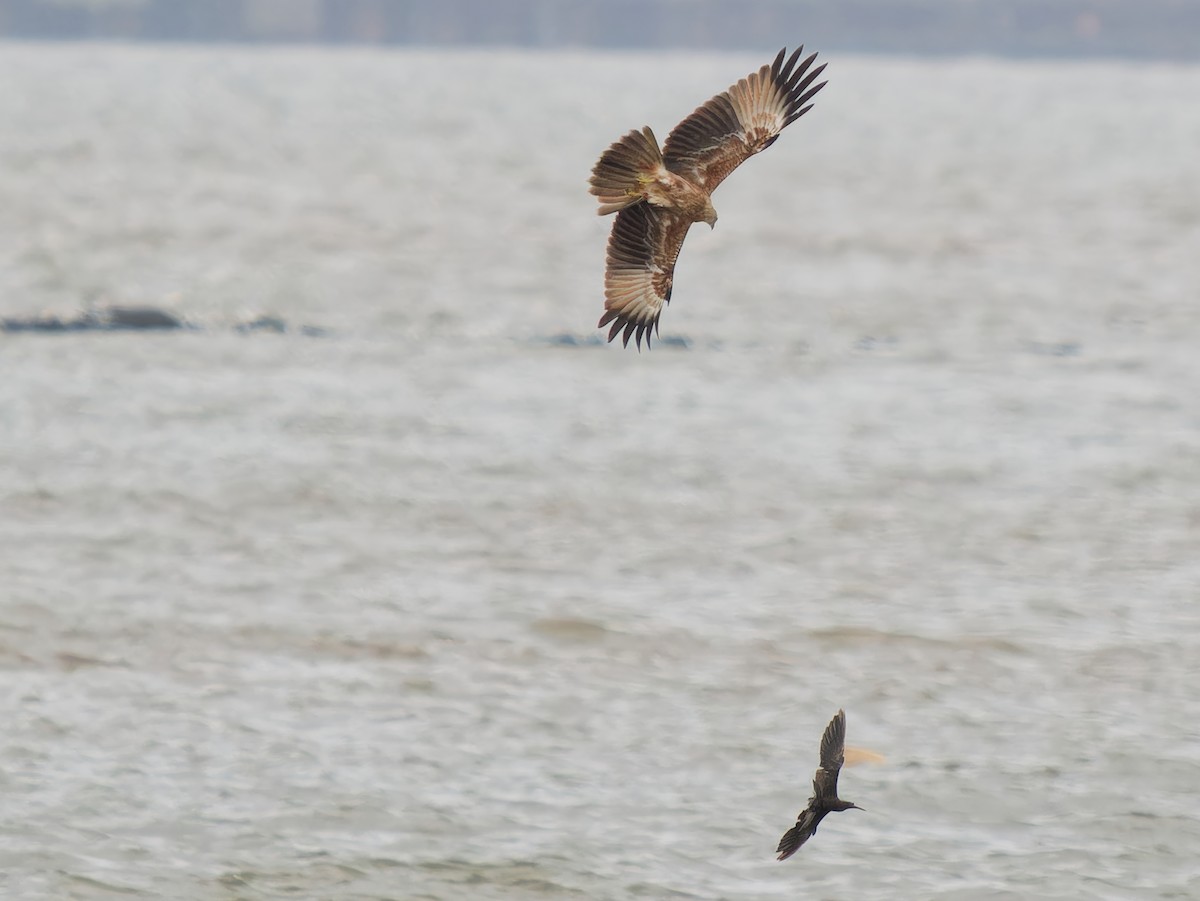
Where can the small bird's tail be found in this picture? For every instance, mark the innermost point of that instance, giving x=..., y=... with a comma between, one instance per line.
x=619, y=179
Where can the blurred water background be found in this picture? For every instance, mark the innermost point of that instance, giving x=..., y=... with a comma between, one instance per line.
x=446, y=600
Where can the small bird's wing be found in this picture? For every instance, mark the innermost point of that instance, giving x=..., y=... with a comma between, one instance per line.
x=833, y=743
x=833, y=753
x=642, y=251
x=806, y=825
x=737, y=123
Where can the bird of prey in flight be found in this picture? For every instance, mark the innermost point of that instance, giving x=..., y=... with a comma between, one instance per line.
x=658, y=194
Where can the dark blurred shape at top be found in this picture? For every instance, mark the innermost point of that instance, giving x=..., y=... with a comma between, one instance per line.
x=1070, y=28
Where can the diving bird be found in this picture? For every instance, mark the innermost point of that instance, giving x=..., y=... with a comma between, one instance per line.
x=658, y=194
x=825, y=797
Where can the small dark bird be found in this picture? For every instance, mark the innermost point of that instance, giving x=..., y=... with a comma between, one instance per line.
x=825, y=797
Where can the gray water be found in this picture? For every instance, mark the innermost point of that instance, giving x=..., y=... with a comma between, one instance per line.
x=443, y=605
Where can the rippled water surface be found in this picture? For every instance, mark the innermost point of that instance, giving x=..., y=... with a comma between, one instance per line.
x=446, y=601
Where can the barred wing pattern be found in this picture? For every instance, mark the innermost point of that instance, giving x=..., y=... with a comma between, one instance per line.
x=742, y=121
x=642, y=251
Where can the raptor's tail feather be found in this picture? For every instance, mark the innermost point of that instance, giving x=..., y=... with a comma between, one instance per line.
x=619, y=178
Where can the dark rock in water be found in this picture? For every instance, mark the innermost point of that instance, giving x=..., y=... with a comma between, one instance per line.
x=265, y=323
x=136, y=318
x=122, y=319
x=277, y=325
x=103, y=319
x=33, y=324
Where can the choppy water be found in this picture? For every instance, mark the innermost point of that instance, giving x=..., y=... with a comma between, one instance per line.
x=435, y=608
